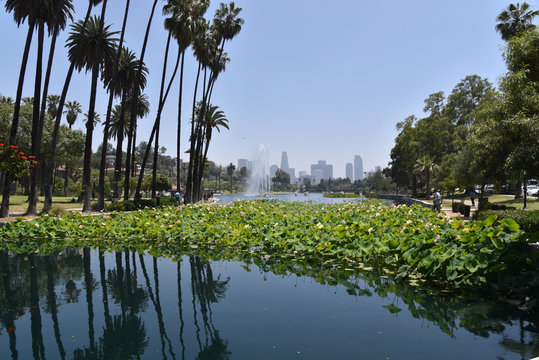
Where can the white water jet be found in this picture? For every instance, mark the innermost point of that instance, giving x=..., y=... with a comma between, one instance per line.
x=259, y=179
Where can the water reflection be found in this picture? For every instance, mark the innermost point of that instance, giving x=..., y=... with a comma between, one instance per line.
x=91, y=304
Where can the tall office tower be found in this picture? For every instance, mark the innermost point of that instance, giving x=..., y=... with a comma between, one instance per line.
x=324, y=171
x=358, y=168
x=243, y=163
x=284, y=161
x=350, y=171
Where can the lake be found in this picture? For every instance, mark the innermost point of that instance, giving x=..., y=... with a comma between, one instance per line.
x=83, y=304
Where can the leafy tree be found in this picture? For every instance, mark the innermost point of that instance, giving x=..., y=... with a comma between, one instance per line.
x=281, y=179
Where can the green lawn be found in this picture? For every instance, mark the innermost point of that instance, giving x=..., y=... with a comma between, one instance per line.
x=17, y=203
x=508, y=200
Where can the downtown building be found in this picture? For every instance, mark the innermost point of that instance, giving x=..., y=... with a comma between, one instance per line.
x=358, y=168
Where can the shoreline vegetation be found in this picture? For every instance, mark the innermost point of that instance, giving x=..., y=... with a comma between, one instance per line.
x=411, y=244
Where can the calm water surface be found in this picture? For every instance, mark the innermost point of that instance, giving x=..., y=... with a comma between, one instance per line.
x=82, y=304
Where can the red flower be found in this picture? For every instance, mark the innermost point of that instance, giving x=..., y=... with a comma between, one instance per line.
x=2, y=137
x=31, y=157
x=34, y=162
x=12, y=147
x=23, y=158
x=1, y=144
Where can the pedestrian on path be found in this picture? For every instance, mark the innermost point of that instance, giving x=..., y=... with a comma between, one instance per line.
x=437, y=201
x=472, y=196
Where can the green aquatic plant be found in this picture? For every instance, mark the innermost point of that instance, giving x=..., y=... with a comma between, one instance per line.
x=413, y=243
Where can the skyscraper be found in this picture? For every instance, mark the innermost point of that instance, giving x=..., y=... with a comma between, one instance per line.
x=358, y=168
x=350, y=171
x=322, y=170
x=284, y=161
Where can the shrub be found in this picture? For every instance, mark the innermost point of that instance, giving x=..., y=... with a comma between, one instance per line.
x=167, y=200
x=528, y=220
x=56, y=211
x=458, y=207
x=142, y=203
x=115, y=206
x=129, y=205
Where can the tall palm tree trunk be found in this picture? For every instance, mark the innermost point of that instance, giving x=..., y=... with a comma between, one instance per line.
x=162, y=100
x=155, y=158
x=135, y=95
x=119, y=145
x=131, y=130
x=4, y=210
x=32, y=200
x=32, y=197
x=134, y=142
x=189, y=183
x=178, y=138
x=49, y=176
x=86, y=171
x=199, y=143
x=103, y=160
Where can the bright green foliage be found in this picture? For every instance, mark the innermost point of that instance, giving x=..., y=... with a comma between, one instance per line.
x=409, y=242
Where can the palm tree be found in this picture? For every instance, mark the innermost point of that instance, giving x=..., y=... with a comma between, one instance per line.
x=54, y=141
x=226, y=25
x=22, y=9
x=72, y=112
x=103, y=162
x=122, y=84
x=141, y=106
x=137, y=88
x=515, y=19
x=426, y=165
x=182, y=24
x=92, y=48
x=214, y=119
x=52, y=105
x=55, y=15
x=114, y=125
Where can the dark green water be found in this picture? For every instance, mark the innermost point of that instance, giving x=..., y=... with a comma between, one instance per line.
x=81, y=304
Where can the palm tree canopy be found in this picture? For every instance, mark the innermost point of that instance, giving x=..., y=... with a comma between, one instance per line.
x=204, y=45
x=141, y=105
x=515, y=19
x=216, y=118
x=61, y=11
x=184, y=21
x=52, y=105
x=115, y=122
x=226, y=22
x=126, y=74
x=73, y=110
x=91, y=45
x=425, y=164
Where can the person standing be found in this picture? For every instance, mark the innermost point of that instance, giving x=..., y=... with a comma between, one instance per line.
x=472, y=196
x=437, y=201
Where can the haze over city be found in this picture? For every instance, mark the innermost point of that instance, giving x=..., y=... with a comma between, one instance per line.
x=322, y=80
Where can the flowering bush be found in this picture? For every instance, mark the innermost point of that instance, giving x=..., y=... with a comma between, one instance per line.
x=15, y=161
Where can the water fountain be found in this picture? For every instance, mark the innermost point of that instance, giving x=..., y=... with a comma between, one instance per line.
x=259, y=179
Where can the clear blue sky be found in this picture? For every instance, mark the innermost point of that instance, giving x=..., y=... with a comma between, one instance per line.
x=320, y=79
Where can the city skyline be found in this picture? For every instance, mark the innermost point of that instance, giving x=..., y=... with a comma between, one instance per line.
x=355, y=168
